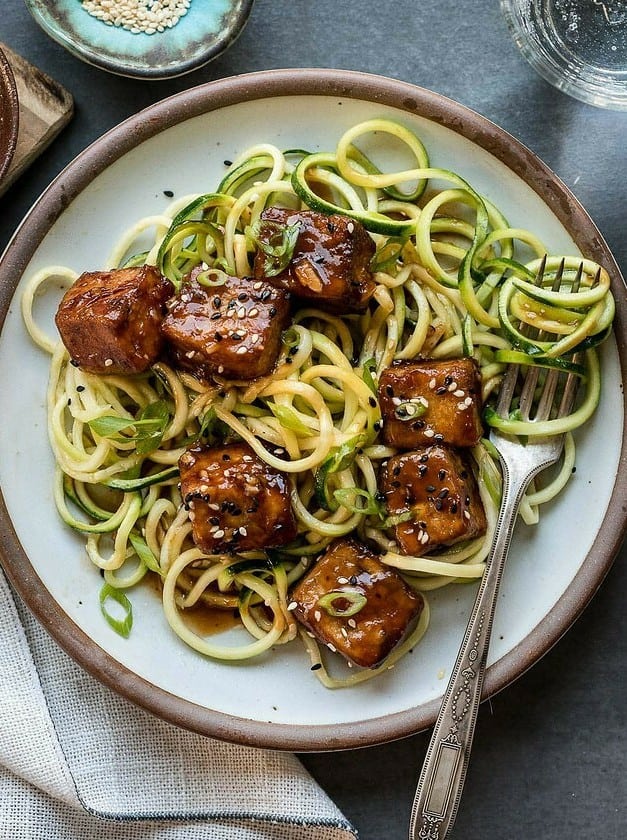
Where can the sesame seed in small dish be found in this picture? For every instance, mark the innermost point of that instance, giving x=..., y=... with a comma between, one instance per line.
x=151, y=39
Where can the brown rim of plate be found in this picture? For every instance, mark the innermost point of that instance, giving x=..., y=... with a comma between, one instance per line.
x=9, y=114
x=379, y=90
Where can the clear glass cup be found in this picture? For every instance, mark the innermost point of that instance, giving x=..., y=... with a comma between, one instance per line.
x=580, y=46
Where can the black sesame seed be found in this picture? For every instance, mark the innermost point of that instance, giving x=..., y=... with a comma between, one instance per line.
x=353, y=580
x=422, y=469
x=441, y=474
x=443, y=493
x=389, y=390
x=417, y=425
x=448, y=380
x=80, y=388
x=236, y=336
x=467, y=500
x=441, y=390
x=168, y=193
x=463, y=474
x=227, y=162
x=423, y=525
x=217, y=302
x=430, y=488
x=379, y=496
x=265, y=294
x=424, y=458
x=396, y=470
x=226, y=457
x=395, y=484
x=218, y=336
x=272, y=311
x=372, y=402
x=453, y=507
x=439, y=438
x=216, y=316
x=74, y=363
x=438, y=504
x=242, y=296
x=377, y=425
x=316, y=667
x=214, y=520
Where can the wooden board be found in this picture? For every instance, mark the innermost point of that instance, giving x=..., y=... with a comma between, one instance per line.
x=45, y=108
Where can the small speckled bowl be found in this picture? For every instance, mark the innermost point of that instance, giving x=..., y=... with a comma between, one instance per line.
x=208, y=28
x=9, y=115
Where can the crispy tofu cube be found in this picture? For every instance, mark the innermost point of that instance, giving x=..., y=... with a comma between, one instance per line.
x=347, y=571
x=330, y=263
x=236, y=501
x=110, y=321
x=430, y=401
x=232, y=330
x=435, y=485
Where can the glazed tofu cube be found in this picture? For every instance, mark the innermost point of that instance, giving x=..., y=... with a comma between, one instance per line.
x=330, y=263
x=431, y=401
x=435, y=485
x=232, y=330
x=346, y=575
x=236, y=501
x=110, y=321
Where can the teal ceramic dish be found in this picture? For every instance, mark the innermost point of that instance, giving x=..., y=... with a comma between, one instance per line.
x=208, y=28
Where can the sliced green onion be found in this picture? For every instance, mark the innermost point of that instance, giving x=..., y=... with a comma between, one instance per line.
x=347, y=497
x=338, y=459
x=279, y=248
x=145, y=554
x=410, y=410
x=288, y=418
x=342, y=603
x=121, y=626
x=212, y=277
x=150, y=426
x=370, y=365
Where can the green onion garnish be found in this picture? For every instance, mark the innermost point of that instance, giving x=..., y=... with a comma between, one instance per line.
x=342, y=603
x=279, y=246
x=122, y=626
x=409, y=410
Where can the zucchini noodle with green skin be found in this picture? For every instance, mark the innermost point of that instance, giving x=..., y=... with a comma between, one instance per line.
x=452, y=279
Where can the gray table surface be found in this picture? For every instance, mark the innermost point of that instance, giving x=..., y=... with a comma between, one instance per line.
x=550, y=755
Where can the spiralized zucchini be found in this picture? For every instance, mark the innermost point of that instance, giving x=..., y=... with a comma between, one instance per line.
x=452, y=279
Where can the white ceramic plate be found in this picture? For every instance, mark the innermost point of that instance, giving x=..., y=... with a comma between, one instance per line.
x=180, y=145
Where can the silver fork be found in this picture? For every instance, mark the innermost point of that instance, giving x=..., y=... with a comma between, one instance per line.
x=444, y=771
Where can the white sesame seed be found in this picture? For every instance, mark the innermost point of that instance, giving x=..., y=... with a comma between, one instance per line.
x=243, y=531
x=453, y=386
x=108, y=362
x=137, y=16
x=432, y=383
x=458, y=393
x=468, y=401
x=218, y=534
x=466, y=514
x=317, y=615
x=332, y=648
x=241, y=350
x=342, y=580
x=396, y=400
x=292, y=605
x=351, y=622
x=429, y=433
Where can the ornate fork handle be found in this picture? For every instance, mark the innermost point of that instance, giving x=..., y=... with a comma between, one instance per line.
x=443, y=774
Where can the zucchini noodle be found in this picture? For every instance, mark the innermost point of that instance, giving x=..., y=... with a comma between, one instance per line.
x=452, y=279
